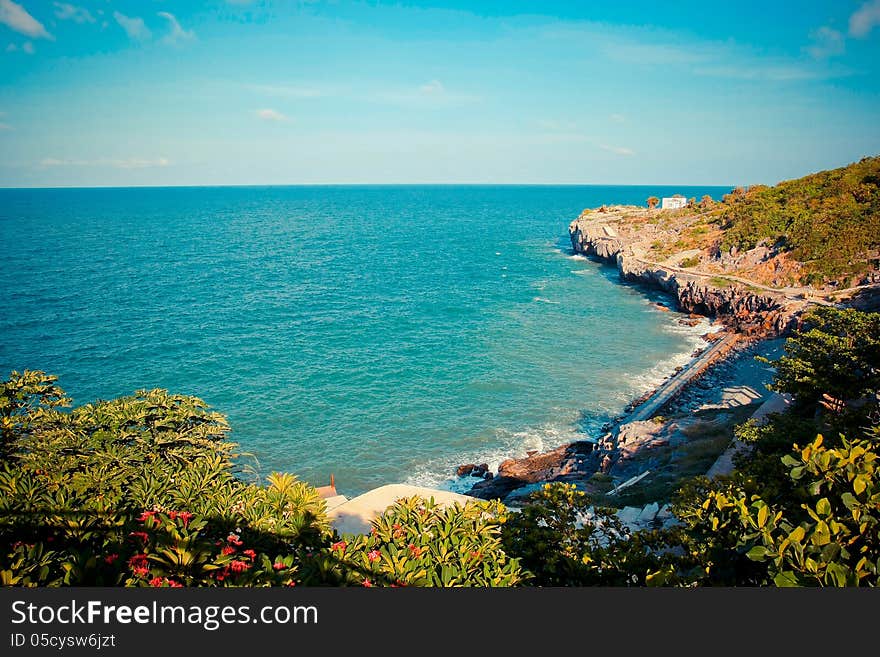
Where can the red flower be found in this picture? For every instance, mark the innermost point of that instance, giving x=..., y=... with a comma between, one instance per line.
x=373, y=555
x=173, y=584
x=278, y=566
x=141, y=535
x=339, y=545
x=366, y=583
x=239, y=566
x=139, y=564
x=234, y=539
x=415, y=551
x=291, y=583
x=475, y=554
x=172, y=515
x=110, y=558
x=228, y=550
x=157, y=581
x=220, y=576
x=186, y=516
x=146, y=514
x=250, y=553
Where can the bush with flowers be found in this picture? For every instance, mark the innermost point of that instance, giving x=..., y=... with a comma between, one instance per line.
x=145, y=490
x=139, y=491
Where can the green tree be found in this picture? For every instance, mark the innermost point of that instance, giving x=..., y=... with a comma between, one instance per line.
x=836, y=354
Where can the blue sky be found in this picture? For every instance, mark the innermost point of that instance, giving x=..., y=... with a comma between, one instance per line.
x=171, y=92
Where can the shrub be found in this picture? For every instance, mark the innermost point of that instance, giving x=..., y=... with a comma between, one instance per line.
x=419, y=543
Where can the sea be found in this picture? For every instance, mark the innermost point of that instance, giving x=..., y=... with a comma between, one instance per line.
x=381, y=334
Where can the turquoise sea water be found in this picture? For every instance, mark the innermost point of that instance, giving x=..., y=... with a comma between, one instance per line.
x=384, y=334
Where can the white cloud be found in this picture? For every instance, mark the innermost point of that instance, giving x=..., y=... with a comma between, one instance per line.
x=5, y=126
x=177, y=33
x=27, y=47
x=270, y=115
x=865, y=19
x=134, y=26
x=826, y=42
x=130, y=163
x=65, y=11
x=617, y=150
x=617, y=118
x=771, y=73
x=433, y=87
x=654, y=48
x=430, y=93
x=16, y=18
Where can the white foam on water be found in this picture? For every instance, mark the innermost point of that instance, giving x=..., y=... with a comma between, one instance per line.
x=544, y=300
x=440, y=473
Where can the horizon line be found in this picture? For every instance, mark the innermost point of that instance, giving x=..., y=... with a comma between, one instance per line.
x=371, y=184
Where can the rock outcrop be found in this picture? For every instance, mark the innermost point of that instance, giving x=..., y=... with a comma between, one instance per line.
x=743, y=308
x=555, y=465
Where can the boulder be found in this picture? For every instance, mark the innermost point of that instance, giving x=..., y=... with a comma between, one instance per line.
x=473, y=470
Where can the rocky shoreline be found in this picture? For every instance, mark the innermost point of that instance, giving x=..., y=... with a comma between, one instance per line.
x=749, y=316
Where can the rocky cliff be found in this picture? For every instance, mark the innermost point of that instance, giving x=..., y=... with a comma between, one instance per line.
x=743, y=307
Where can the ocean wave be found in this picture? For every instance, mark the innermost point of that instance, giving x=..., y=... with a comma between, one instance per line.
x=440, y=473
x=545, y=300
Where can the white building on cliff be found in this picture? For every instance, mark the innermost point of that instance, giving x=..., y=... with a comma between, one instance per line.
x=673, y=202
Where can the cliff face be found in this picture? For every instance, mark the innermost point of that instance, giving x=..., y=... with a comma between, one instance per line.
x=744, y=308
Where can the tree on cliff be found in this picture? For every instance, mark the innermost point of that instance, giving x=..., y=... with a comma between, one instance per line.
x=652, y=202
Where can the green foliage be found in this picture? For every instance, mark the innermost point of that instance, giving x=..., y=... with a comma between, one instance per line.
x=838, y=354
x=75, y=488
x=563, y=541
x=829, y=220
x=419, y=543
x=829, y=539
x=691, y=261
x=143, y=491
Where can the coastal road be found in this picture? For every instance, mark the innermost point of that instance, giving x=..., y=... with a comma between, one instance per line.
x=674, y=385
x=806, y=294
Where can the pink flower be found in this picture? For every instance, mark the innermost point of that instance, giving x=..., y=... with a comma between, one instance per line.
x=186, y=516
x=234, y=539
x=278, y=566
x=228, y=550
x=146, y=514
x=239, y=566
x=366, y=583
x=110, y=558
x=339, y=545
x=157, y=581
x=250, y=553
x=173, y=584
x=373, y=555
